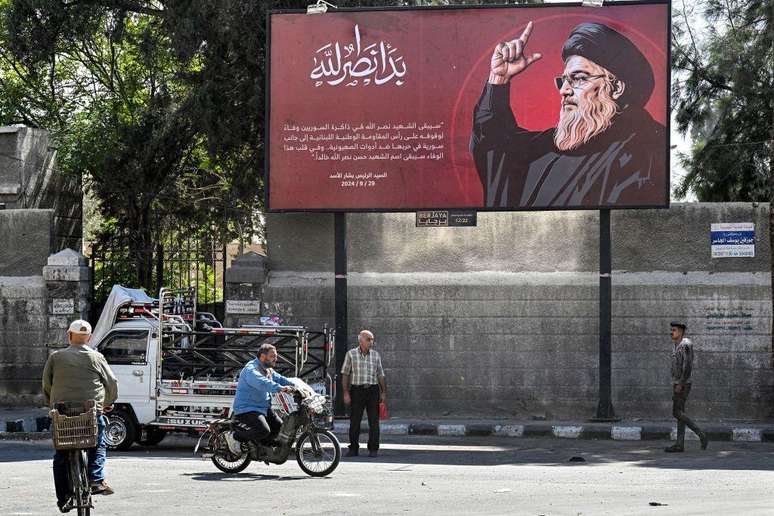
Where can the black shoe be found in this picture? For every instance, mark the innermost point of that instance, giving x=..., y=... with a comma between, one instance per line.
x=674, y=449
x=704, y=440
x=373, y=453
x=65, y=506
x=352, y=453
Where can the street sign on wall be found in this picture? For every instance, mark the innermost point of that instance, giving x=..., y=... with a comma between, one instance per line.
x=733, y=240
x=485, y=108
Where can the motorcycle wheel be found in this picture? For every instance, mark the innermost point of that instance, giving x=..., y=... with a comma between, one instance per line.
x=223, y=459
x=318, y=453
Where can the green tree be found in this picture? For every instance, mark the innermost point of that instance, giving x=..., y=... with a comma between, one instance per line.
x=723, y=98
x=159, y=104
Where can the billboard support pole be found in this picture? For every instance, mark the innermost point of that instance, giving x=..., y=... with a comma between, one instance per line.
x=340, y=297
x=605, y=406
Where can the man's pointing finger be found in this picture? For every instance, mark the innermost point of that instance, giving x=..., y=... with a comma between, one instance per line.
x=525, y=35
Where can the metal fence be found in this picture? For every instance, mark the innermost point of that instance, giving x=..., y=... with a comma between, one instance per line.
x=173, y=264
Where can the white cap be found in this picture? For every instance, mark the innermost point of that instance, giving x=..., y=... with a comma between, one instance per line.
x=80, y=326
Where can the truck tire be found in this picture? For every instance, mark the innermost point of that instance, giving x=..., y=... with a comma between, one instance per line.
x=153, y=436
x=121, y=431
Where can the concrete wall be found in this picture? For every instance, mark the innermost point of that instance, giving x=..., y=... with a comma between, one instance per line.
x=23, y=338
x=29, y=179
x=502, y=319
x=35, y=311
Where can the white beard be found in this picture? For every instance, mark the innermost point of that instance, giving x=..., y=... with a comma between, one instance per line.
x=591, y=117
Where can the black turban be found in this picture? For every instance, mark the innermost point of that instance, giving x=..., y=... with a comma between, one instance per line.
x=616, y=53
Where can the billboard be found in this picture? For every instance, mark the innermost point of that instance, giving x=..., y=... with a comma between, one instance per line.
x=553, y=106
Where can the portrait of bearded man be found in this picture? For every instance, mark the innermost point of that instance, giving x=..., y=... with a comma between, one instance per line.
x=605, y=150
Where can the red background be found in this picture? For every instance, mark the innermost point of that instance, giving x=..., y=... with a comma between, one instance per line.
x=447, y=53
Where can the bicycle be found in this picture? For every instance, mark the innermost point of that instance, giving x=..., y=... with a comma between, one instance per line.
x=74, y=429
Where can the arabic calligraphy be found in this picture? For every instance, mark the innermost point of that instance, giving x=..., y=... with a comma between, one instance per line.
x=731, y=319
x=357, y=179
x=371, y=141
x=355, y=65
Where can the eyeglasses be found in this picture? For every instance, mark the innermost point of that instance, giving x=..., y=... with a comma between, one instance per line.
x=576, y=81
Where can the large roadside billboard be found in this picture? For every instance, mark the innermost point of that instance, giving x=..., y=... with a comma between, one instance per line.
x=488, y=108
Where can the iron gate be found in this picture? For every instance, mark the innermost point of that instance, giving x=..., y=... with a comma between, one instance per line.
x=173, y=264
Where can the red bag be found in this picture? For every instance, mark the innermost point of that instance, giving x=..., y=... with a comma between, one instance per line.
x=383, y=410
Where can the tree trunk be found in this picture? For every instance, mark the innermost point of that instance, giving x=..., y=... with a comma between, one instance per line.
x=141, y=249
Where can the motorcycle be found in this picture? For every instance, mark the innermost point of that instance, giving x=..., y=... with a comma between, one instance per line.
x=305, y=427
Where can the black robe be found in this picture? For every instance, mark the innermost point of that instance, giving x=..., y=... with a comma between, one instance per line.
x=623, y=166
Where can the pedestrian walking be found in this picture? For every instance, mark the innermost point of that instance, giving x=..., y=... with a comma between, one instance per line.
x=682, y=363
x=362, y=379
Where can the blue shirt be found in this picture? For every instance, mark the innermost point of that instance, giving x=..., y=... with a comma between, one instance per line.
x=255, y=388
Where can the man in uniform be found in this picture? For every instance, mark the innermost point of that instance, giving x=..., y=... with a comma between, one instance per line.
x=605, y=150
x=362, y=379
x=682, y=363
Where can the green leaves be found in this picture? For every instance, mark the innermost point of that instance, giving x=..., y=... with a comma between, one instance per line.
x=724, y=76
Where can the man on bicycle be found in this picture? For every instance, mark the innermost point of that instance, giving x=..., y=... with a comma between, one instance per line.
x=255, y=421
x=75, y=374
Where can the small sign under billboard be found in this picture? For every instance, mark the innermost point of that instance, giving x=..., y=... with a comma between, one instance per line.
x=527, y=107
x=446, y=218
x=733, y=240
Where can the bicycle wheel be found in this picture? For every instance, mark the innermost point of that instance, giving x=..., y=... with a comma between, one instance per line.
x=318, y=453
x=82, y=486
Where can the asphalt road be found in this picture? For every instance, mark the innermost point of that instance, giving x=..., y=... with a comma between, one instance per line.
x=421, y=475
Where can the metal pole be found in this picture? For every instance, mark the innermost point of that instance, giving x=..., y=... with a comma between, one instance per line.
x=340, y=268
x=605, y=406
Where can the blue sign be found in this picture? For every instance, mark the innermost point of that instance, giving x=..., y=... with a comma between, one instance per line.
x=733, y=240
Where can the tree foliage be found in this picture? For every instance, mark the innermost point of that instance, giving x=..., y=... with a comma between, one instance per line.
x=723, y=97
x=157, y=104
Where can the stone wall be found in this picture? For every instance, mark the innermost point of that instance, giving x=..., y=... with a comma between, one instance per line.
x=25, y=241
x=35, y=312
x=23, y=338
x=30, y=179
x=502, y=319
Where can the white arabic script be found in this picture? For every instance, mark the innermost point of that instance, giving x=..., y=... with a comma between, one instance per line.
x=355, y=65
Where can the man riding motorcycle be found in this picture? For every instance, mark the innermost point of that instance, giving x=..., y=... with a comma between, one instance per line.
x=254, y=420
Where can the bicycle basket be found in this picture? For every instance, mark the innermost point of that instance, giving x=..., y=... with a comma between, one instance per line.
x=74, y=425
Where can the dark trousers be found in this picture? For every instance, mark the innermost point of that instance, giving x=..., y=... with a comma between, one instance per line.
x=97, y=458
x=364, y=398
x=678, y=411
x=256, y=427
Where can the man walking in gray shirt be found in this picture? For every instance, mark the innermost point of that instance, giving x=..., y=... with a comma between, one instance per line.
x=682, y=363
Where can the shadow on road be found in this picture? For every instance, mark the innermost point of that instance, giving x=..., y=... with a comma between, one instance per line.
x=238, y=477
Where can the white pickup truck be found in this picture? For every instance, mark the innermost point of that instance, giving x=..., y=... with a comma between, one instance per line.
x=178, y=371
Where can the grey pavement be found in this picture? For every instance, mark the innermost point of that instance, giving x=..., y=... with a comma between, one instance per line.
x=422, y=475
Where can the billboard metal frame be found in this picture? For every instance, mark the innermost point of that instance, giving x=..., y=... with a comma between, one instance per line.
x=267, y=111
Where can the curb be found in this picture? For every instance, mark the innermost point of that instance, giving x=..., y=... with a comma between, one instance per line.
x=591, y=431
x=25, y=436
